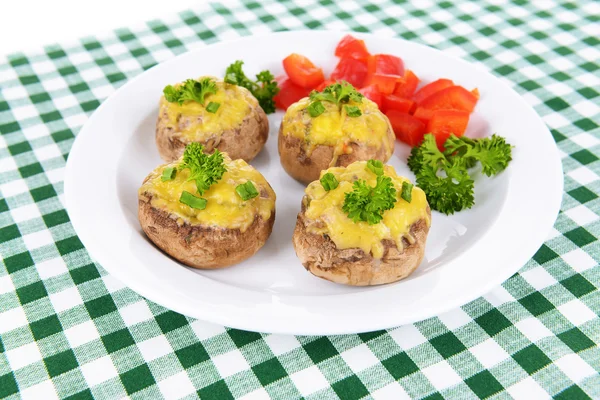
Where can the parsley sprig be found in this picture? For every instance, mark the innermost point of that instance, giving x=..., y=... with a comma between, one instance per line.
x=204, y=169
x=337, y=93
x=366, y=203
x=444, y=176
x=264, y=88
x=190, y=90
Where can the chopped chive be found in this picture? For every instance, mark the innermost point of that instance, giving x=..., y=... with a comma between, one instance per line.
x=246, y=190
x=406, y=194
x=329, y=182
x=315, y=109
x=230, y=78
x=190, y=200
x=353, y=111
x=375, y=166
x=168, y=174
x=212, y=107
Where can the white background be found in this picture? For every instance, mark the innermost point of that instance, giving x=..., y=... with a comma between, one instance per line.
x=26, y=25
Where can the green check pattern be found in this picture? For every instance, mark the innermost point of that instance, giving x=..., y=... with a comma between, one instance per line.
x=70, y=330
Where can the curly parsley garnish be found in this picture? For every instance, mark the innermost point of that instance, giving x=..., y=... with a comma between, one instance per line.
x=190, y=90
x=366, y=203
x=204, y=169
x=264, y=88
x=337, y=93
x=444, y=177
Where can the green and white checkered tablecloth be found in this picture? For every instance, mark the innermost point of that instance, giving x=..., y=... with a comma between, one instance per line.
x=70, y=330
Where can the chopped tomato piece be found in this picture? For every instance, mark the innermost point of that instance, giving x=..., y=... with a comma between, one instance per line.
x=385, y=83
x=393, y=102
x=431, y=88
x=451, y=98
x=324, y=84
x=406, y=127
x=475, y=92
x=406, y=86
x=350, y=70
x=289, y=93
x=423, y=114
x=352, y=47
x=445, y=122
x=302, y=71
x=372, y=93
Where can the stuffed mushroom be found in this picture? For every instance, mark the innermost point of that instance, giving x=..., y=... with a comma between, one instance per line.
x=362, y=225
x=333, y=128
x=207, y=211
x=216, y=114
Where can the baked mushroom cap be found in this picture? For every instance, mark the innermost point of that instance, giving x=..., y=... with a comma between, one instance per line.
x=239, y=127
x=333, y=247
x=309, y=145
x=228, y=231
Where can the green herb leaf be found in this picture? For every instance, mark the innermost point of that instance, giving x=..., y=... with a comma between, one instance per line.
x=264, y=88
x=353, y=111
x=375, y=166
x=168, y=174
x=493, y=153
x=204, y=169
x=406, y=193
x=366, y=203
x=246, y=190
x=339, y=94
x=444, y=177
x=316, y=108
x=329, y=182
x=212, y=107
x=190, y=90
x=190, y=200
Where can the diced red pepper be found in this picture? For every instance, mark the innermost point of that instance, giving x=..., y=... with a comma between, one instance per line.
x=451, y=98
x=431, y=88
x=423, y=114
x=372, y=93
x=386, y=64
x=385, y=83
x=350, y=70
x=289, y=93
x=446, y=122
x=406, y=86
x=393, y=102
x=352, y=47
x=302, y=71
x=323, y=85
x=406, y=127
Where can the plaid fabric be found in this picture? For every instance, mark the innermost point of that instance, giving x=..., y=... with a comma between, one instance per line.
x=70, y=330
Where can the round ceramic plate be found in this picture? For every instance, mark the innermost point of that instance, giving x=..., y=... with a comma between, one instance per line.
x=467, y=253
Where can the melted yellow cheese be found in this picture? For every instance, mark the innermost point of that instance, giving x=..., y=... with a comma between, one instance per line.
x=224, y=207
x=191, y=121
x=324, y=211
x=335, y=128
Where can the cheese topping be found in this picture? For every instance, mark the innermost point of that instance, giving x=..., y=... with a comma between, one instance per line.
x=335, y=128
x=191, y=120
x=324, y=211
x=224, y=208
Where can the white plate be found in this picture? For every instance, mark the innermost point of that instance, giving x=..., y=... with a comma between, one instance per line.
x=467, y=254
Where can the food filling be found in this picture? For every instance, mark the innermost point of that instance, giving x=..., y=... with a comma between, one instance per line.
x=326, y=215
x=232, y=202
x=330, y=124
x=223, y=110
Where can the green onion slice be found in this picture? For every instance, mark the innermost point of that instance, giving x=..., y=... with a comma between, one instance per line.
x=190, y=200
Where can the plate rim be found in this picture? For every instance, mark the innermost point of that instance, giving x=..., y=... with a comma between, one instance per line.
x=343, y=328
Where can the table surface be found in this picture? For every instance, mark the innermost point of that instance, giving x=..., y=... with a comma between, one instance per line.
x=67, y=328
